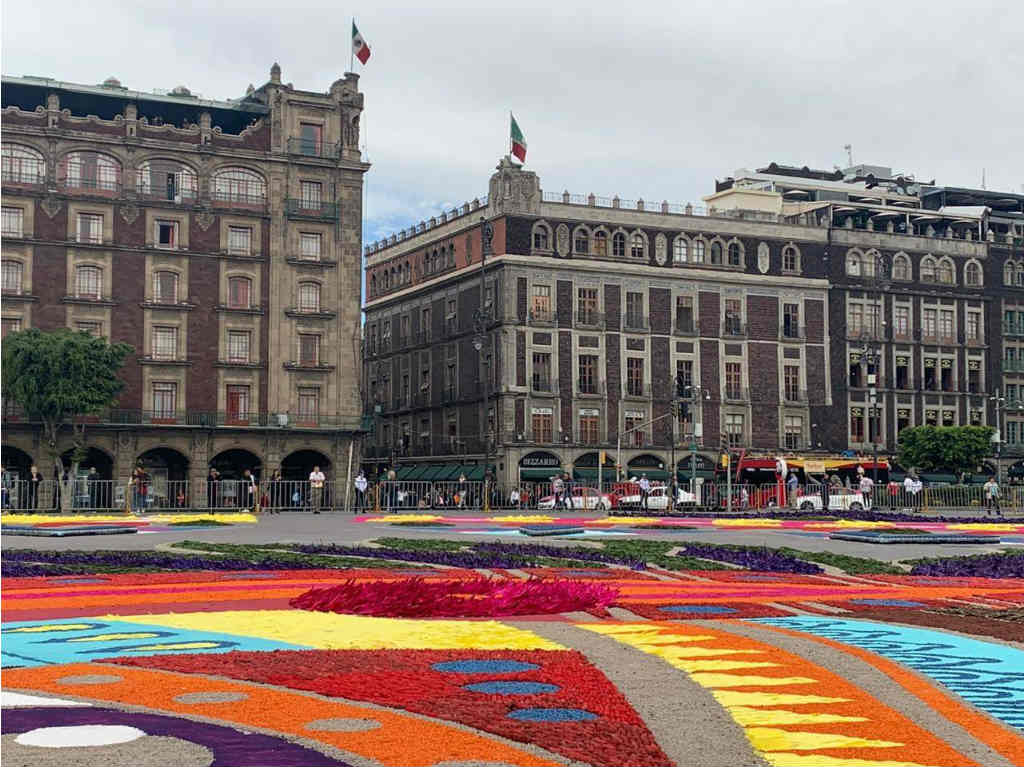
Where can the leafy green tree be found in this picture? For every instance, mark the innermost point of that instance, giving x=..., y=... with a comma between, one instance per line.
x=954, y=449
x=58, y=377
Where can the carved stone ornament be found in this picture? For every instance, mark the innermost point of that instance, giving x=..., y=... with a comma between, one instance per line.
x=51, y=206
x=763, y=258
x=526, y=187
x=562, y=240
x=660, y=249
x=205, y=220
x=130, y=212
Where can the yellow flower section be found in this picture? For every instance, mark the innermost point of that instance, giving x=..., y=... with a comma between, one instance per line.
x=755, y=717
x=330, y=631
x=747, y=523
x=524, y=518
x=405, y=518
x=37, y=519
x=844, y=523
x=775, y=739
x=814, y=760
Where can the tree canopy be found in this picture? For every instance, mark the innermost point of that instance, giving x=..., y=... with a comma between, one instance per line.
x=945, y=448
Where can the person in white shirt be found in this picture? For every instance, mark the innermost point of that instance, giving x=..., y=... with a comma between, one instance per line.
x=316, y=487
x=513, y=498
x=867, y=489
x=361, y=485
x=645, y=491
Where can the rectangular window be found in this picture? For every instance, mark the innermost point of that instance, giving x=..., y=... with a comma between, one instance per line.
x=1011, y=432
x=310, y=194
x=238, y=292
x=238, y=345
x=12, y=273
x=10, y=326
x=90, y=228
x=947, y=375
x=588, y=426
x=542, y=371
x=791, y=320
x=973, y=326
x=12, y=222
x=309, y=403
x=684, y=314
x=734, y=428
x=309, y=297
x=855, y=319
x=946, y=325
x=901, y=321
x=165, y=399
x=635, y=376
x=166, y=235
x=310, y=243
x=794, y=426
x=791, y=383
x=540, y=303
x=1012, y=396
x=310, y=142
x=684, y=369
x=733, y=317
x=635, y=317
x=588, y=374
x=309, y=349
x=929, y=326
x=931, y=381
x=871, y=319
x=903, y=373
x=239, y=240
x=405, y=394
x=974, y=380
x=425, y=324
x=541, y=419
x=165, y=343
x=902, y=421
x=632, y=431
x=586, y=307
x=94, y=329
x=733, y=380
x=237, y=398
x=451, y=320
x=89, y=282
x=857, y=424
x=165, y=288
x=385, y=335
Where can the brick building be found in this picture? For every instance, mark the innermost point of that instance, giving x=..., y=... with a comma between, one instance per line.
x=220, y=239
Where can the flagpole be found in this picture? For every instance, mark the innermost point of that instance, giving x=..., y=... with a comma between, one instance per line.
x=352, y=51
x=510, y=119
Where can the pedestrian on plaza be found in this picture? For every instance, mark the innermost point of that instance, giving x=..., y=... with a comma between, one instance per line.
x=58, y=477
x=251, y=489
x=139, y=484
x=894, y=493
x=557, y=490
x=744, y=498
x=35, y=479
x=361, y=485
x=912, y=486
x=275, y=493
x=645, y=491
x=825, y=488
x=867, y=490
x=213, y=488
x=792, y=483
x=462, y=491
x=513, y=498
x=7, y=485
x=92, y=482
x=992, y=497
x=567, y=484
x=316, y=488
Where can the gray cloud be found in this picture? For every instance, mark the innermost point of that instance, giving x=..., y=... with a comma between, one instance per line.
x=650, y=100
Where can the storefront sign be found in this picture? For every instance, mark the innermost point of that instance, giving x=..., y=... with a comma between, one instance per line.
x=540, y=461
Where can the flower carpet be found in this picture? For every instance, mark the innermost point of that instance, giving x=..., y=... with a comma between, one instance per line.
x=404, y=663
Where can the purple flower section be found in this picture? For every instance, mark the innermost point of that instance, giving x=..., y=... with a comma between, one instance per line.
x=750, y=558
x=230, y=747
x=540, y=550
x=860, y=516
x=27, y=562
x=1010, y=565
x=481, y=556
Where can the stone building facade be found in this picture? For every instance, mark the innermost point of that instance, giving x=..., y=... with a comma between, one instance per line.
x=221, y=240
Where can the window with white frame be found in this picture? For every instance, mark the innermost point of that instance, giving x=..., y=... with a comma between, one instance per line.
x=972, y=275
x=734, y=429
x=165, y=342
x=901, y=321
x=541, y=237
x=927, y=269
x=853, y=264
x=901, y=267
x=309, y=349
x=239, y=292
x=165, y=235
x=165, y=287
x=309, y=243
x=238, y=185
x=680, y=250
x=735, y=254
x=89, y=282
x=238, y=345
x=239, y=240
x=165, y=399
x=12, y=221
x=973, y=326
x=790, y=259
x=310, y=192
x=638, y=248
x=601, y=243
x=698, y=251
x=22, y=164
x=91, y=170
x=309, y=403
x=90, y=228
x=12, y=276
x=309, y=297
x=9, y=325
x=944, y=272
x=618, y=244
x=794, y=430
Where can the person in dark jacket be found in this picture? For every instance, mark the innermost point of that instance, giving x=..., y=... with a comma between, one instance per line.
x=212, y=488
x=35, y=479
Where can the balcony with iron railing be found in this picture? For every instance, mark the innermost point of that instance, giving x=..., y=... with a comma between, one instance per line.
x=90, y=179
x=735, y=393
x=586, y=387
x=252, y=196
x=205, y=418
x=306, y=147
x=543, y=385
x=636, y=390
x=684, y=326
x=89, y=299
x=182, y=190
x=1013, y=329
x=733, y=327
x=635, y=323
x=23, y=172
x=791, y=332
x=589, y=319
x=1013, y=365
x=794, y=395
x=309, y=208
x=310, y=313
x=540, y=317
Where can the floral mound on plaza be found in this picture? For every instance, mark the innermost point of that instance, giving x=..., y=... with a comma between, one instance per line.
x=477, y=598
x=980, y=566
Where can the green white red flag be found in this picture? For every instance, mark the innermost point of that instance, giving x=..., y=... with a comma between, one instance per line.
x=359, y=46
x=518, y=141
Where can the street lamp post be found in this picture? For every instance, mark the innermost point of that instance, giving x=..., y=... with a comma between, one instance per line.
x=693, y=395
x=481, y=338
x=1000, y=403
x=870, y=355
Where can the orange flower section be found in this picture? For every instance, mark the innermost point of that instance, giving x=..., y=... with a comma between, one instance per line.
x=399, y=741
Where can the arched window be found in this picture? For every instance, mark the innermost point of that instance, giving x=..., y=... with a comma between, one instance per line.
x=165, y=287
x=698, y=251
x=239, y=293
x=1019, y=276
x=238, y=185
x=716, y=252
x=735, y=254
x=91, y=171
x=22, y=164
x=853, y=263
x=309, y=297
x=408, y=274
x=972, y=274
x=927, y=269
x=12, y=275
x=945, y=272
x=373, y=284
x=601, y=243
x=541, y=237
x=1008, y=272
x=619, y=244
x=790, y=259
x=167, y=180
x=89, y=282
x=680, y=250
x=901, y=267
x=639, y=248
x=869, y=266
x=581, y=242
x=450, y=263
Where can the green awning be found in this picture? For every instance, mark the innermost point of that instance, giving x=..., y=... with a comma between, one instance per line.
x=404, y=473
x=684, y=475
x=418, y=471
x=473, y=473
x=590, y=474
x=651, y=473
x=542, y=474
x=434, y=471
x=950, y=479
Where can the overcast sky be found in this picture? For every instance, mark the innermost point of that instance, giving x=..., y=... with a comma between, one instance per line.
x=651, y=100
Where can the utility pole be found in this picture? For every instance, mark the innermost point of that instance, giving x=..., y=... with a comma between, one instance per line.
x=481, y=338
x=1000, y=403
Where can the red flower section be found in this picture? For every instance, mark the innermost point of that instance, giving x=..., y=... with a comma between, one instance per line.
x=585, y=573
x=477, y=598
x=761, y=577
x=702, y=611
x=408, y=679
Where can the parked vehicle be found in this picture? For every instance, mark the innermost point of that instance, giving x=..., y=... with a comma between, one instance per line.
x=583, y=498
x=657, y=500
x=850, y=501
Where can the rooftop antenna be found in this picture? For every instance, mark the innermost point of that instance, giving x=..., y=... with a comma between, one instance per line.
x=982, y=178
x=849, y=153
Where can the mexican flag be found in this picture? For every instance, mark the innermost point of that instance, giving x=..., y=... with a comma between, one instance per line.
x=359, y=46
x=518, y=142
